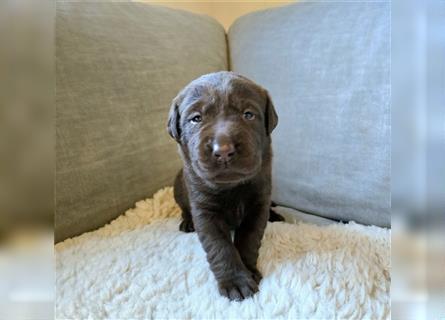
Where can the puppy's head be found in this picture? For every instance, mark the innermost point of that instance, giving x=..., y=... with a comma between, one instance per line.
x=223, y=123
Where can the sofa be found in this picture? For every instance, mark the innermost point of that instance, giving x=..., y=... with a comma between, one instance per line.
x=326, y=66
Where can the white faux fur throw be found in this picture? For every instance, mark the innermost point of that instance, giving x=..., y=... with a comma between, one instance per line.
x=141, y=266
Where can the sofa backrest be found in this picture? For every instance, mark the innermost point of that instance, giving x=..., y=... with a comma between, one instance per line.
x=119, y=65
x=327, y=67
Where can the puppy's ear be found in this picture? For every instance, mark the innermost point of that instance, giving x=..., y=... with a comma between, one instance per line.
x=270, y=115
x=173, y=126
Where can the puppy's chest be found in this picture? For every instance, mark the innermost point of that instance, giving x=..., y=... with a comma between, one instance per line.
x=235, y=214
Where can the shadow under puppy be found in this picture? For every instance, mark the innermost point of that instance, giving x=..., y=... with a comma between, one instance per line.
x=222, y=122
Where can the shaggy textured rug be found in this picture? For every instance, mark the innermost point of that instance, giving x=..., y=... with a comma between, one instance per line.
x=141, y=266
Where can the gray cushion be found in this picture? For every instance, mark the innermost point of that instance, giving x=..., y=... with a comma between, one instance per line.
x=118, y=67
x=326, y=66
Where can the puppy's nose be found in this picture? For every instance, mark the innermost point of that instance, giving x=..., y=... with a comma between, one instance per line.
x=223, y=151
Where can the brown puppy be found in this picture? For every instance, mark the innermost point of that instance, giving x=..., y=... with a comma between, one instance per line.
x=222, y=123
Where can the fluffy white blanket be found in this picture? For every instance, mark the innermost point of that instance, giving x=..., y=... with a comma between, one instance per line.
x=141, y=266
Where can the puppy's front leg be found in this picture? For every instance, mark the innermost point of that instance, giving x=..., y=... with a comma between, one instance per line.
x=234, y=280
x=249, y=234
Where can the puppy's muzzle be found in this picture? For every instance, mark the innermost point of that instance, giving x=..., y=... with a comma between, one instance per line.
x=223, y=150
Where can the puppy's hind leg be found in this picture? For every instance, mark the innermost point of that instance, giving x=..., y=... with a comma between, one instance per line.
x=182, y=200
x=186, y=224
x=273, y=216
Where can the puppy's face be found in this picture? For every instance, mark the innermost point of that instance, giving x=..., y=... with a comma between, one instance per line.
x=222, y=122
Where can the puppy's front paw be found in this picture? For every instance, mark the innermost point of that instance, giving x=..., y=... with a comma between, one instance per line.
x=257, y=276
x=238, y=287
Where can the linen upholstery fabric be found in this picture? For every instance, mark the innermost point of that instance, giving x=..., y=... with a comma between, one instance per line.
x=326, y=66
x=119, y=65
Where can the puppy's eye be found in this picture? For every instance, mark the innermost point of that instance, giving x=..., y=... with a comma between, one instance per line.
x=196, y=119
x=248, y=115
